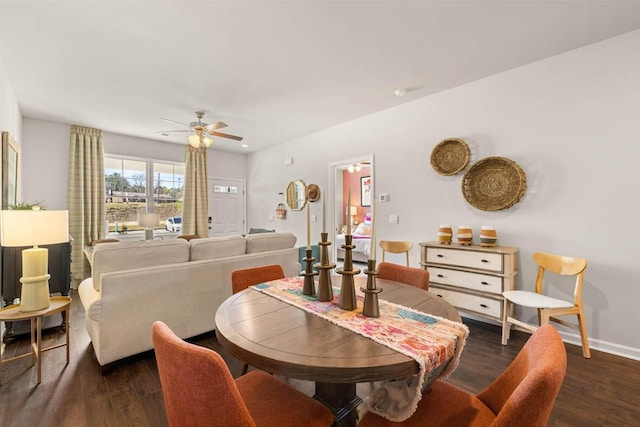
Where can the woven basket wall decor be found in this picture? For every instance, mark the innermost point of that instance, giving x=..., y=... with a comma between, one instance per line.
x=494, y=183
x=450, y=156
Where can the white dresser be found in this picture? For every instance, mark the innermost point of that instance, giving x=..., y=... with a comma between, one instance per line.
x=471, y=278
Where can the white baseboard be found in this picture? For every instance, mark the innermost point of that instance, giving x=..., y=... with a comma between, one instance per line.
x=574, y=339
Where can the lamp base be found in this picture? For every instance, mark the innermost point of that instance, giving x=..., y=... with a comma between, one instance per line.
x=35, y=293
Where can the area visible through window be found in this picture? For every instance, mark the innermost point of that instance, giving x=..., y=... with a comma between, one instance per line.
x=134, y=186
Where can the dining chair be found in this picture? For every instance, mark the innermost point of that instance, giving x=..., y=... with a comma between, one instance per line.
x=417, y=277
x=523, y=395
x=243, y=278
x=188, y=237
x=199, y=390
x=549, y=307
x=395, y=247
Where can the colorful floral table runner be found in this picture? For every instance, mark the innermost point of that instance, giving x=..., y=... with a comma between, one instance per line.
x=433, y=342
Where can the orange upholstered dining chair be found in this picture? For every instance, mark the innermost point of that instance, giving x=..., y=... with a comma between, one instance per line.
x=417, y=277
x=242, y=279
x=523, y=395
x=199, y=390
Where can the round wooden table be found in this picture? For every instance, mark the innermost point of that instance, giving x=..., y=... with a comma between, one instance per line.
x=277, y=337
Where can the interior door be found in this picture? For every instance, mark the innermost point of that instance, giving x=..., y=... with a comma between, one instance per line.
x=226, y=207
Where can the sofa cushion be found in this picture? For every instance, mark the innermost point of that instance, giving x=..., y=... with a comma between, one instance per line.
x=125, y=255
x=217, y=247
x=264, y=242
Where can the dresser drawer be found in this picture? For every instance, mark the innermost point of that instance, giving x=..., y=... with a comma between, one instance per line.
x=486, y=306
x=463, y=279
x=464, y=258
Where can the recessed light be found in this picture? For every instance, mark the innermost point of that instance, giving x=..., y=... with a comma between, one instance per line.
x=400, y=92
x=244, y=145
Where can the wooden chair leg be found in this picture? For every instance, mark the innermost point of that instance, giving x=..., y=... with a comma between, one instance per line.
x=244, y=369
x=583, y=335
x=506, y=327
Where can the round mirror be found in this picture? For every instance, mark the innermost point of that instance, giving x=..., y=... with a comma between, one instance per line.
x=297, y=195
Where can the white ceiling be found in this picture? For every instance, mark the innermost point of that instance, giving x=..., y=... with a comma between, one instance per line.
x=273, y=71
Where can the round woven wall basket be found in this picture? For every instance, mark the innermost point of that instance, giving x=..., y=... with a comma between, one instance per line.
x=450, y=156
x=494, y=183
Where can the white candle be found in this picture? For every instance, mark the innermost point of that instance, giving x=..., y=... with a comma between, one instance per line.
x=372, y=252
x=324, y=213
x=308, y=225
x=349, y=211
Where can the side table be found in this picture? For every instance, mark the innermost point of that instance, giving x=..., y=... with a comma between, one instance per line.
x=12, y=313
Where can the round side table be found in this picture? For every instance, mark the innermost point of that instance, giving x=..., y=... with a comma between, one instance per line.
x=12, y=313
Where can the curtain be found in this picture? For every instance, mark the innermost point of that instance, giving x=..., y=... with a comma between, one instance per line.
x=195, y=206
x=86, y=196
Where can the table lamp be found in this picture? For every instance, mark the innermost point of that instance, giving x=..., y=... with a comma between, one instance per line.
x=36, y=227
x=148, y=220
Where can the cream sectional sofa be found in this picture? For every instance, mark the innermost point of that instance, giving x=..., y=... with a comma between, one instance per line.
x=135, y=283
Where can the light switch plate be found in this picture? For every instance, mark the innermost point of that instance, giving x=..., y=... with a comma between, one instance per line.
x=393, y=219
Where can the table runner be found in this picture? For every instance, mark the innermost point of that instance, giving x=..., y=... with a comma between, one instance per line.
x=433, y=342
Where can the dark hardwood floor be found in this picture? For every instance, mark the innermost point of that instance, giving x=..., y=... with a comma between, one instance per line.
x=602, y=391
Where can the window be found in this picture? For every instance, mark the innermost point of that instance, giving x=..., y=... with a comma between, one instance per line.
x=135, y=185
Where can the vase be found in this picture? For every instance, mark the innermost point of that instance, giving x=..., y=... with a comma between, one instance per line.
x=488, y=236
x=444, y=234
x=465, y=235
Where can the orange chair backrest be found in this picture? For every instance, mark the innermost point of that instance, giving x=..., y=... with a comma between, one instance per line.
x=242, y=279
x=197, y=386
x=524, y=394
x=399, y=273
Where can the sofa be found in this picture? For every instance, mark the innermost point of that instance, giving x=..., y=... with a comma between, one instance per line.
x=180, y=282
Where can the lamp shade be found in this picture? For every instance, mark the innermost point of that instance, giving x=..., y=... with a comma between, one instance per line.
x=148, y=220
x=31, y=228
x=195, y=140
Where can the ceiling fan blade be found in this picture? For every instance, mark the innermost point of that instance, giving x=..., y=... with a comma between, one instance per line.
x=216, y=125
x=226, y=135
x=172, y=131
x=173, y=121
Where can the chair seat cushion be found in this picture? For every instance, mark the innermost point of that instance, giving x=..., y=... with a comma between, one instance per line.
x=533, y=299
x=443, y=405
x=274, y=403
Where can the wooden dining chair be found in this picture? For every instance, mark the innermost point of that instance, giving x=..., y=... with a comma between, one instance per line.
x=417, y=277
x=198, y=390
x=395, y=247
x=242, y=279
x=188, y=237
x=523, y=395
x=549, y=307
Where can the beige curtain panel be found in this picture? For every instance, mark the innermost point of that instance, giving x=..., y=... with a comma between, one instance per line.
x=86, y=197
x=195, y=206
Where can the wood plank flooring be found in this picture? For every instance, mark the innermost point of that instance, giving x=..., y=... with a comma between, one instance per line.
x=602, y=391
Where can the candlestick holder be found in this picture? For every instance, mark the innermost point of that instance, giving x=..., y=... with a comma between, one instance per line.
x=309, y=288
x=347, y=290
x=370, y=307
x=325, y=289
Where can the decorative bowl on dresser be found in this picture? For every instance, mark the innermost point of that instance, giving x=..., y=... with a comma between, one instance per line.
x=470, y=277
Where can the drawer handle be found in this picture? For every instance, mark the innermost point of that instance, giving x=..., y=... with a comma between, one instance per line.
x=484, y=306
x=439, y=295
x=440, y=256
x=440, y=275
x=484, y=283
x=484, y=260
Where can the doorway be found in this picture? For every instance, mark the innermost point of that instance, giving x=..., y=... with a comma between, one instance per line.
x=356, y=174
x=226, y=207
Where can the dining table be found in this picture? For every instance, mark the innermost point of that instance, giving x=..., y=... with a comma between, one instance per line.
x=277, y=337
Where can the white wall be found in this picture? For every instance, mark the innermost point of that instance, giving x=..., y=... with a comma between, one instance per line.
x=570, y=121
x=45, y=154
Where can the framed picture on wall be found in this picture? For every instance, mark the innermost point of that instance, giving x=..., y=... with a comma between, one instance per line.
x=10, y=162
x=365, y=191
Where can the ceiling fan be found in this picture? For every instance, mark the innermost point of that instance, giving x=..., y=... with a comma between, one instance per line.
x=200, y=130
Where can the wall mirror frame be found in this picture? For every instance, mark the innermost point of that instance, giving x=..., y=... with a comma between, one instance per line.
x=10, y=170
x=296, y=195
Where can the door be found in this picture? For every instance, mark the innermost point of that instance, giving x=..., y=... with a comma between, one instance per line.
x=226, y=207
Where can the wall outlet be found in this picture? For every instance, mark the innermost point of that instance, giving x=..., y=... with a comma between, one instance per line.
x=288, y=161
x=383, y=198
x=314, y=218
x=270, y=217
x=393, y=219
